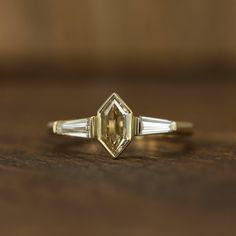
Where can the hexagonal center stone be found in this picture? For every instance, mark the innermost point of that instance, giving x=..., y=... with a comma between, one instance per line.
x=114, y=125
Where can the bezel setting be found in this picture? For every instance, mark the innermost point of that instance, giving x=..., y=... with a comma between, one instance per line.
x=114, y=125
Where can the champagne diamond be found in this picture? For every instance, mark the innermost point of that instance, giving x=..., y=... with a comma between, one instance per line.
x=114, y=125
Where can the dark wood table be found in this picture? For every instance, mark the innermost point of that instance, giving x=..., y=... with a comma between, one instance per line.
x=56, y=185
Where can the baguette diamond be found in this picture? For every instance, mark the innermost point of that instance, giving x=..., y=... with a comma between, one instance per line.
x=76, y=128
x=149, y=125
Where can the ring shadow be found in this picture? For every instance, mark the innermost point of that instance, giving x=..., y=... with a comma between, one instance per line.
x=140, y=148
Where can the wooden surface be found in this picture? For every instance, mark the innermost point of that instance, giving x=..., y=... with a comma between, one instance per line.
x=55, y=185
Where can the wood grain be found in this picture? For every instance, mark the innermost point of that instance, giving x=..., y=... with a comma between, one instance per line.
x=55, y=186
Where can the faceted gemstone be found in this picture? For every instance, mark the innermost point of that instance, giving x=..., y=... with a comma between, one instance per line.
x=77, y=128
x=114, y=126
x=149, y=125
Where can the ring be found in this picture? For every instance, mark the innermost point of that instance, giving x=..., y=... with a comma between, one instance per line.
x=115, y=126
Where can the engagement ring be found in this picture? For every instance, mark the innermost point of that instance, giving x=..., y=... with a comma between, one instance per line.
x=115, y=126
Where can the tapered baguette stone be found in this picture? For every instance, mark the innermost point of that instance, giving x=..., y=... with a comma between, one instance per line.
x=76, y=128
x=149, y=125
x=114, y=125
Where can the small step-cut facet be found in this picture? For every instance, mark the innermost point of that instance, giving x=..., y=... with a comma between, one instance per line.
x=77, y=128
x=114, y=125
x=149, y=125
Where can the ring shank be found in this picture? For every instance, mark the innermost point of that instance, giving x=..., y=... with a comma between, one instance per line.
x=183, y=127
